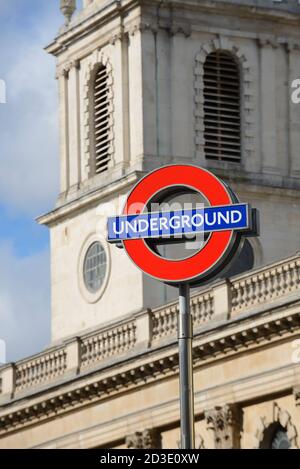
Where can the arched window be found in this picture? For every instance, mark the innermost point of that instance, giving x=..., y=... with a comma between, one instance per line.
x=101, y=121
x=222, y=113
x=280, y=440
x=275, y=437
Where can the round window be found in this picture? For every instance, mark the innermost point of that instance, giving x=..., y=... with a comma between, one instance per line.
x=94, y=267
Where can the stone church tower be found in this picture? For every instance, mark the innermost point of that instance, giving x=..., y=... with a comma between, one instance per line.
x=145, y=83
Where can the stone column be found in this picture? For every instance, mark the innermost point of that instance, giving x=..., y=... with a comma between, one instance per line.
x=148, y=439
x=268, y=105
x=226, y=424
x=135, y=98
x=62, y=76
x=182, y=95
x=164, y=104
x=121, y=102
x=74, y=125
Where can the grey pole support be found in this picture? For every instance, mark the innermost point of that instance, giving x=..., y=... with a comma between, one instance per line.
x=185, y=338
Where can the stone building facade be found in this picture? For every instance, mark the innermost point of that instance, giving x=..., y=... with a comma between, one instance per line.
x=143, y=84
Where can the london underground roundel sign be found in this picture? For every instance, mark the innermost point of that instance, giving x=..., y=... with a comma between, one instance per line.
x=223, y=219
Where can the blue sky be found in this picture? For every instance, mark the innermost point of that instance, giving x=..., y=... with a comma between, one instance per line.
x=29, y=172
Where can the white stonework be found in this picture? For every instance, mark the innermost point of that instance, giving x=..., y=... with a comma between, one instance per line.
x=127, y=373
x=155, y=64
x=111, y=371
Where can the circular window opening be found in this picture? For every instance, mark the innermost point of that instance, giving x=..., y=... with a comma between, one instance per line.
x=94, y=267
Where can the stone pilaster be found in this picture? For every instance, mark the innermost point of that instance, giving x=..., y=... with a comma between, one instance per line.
x=74, y=130
x=180, y=96
x=120, y=42
x=226, y=424
x=293, y=50
x=297, y=395
x=268, y=104
x=63, y=77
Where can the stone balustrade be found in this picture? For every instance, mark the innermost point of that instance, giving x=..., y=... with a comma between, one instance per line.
x=41, y=369
x=221, y=301
x=107, y=343
x=265, y=285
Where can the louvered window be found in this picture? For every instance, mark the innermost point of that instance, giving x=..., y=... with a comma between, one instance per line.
x=101, y=121
x=222, y=116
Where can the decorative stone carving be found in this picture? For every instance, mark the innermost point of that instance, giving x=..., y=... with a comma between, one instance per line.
x=221, y=42
x=268, y=42
x=180, y=28
x=292, y=45
x=142, y=26
x=172, y=28
x=63, y=70
x=148, y=439
x=119, y=36
x=281, y=417
x=67, y=7
x=226, y=424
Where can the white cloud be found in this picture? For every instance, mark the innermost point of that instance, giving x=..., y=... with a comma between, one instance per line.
x=24, y=302
x=29, y=120
x=28, y=165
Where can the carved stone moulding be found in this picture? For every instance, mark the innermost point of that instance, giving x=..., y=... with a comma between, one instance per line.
x=147, y=439
x=226, y=424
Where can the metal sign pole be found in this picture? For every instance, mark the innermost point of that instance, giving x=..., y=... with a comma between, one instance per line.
x=185, y=338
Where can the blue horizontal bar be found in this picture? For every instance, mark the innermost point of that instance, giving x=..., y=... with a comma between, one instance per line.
x=180, y=222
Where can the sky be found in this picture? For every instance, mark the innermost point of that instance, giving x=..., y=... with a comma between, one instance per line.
x=29, y=171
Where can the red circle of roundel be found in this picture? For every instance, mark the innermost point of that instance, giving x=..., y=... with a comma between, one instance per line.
x=199, y=264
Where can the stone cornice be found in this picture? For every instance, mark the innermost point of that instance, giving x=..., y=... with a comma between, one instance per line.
x=86, y=23
x=79, y=27
x=247, y=181
x=86, y=199
x=232, y=338
x=255, y=386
